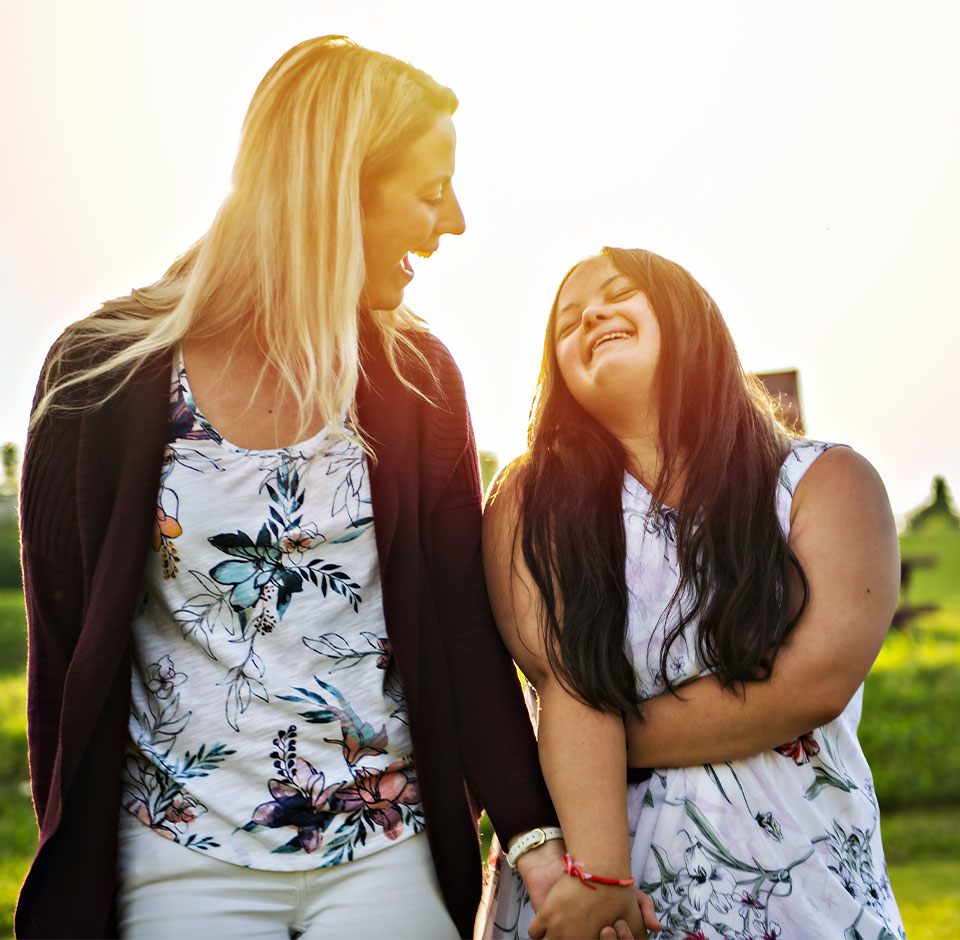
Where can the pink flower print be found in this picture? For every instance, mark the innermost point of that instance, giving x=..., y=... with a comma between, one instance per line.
x=383, y=660
x=163, y=678
x=299, y=538
x=801, y=749
x=750, y=902
x=181, y=811
x=381, y=793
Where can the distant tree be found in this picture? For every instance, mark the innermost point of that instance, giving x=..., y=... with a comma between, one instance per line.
x=939, y=513
x=10, y=459
x=489, y=462
x=9, y=534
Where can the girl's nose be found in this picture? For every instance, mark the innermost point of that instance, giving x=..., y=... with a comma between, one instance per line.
x=592, y=315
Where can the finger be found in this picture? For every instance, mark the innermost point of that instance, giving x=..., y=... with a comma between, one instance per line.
x=648, y=910
x=608, y=933
x=623, y=930
x=537, y=929
x=635, y=929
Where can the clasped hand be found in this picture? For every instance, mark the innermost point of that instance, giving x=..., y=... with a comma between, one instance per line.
x=567, y=908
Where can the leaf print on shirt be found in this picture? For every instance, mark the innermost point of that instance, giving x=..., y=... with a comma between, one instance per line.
x=768, y=823
x=347, y=458
x=708, y=881
x=248, y=594
x=853, y=864
x=153, y=783
x=335, y=647
x=358, y=738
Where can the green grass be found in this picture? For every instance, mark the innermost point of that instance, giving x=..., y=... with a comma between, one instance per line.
x=18, y=830
x=13, y=632
x=923, y=855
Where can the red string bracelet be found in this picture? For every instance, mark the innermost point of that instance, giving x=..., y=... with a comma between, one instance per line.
x=573, y=868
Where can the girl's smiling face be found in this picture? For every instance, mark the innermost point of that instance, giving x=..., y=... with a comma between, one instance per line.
x=607, y=341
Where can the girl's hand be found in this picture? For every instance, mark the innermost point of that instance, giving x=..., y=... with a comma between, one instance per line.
x=572, y=910
x=621, y=929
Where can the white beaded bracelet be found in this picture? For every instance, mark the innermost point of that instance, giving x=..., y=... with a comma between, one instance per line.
x=532, y=840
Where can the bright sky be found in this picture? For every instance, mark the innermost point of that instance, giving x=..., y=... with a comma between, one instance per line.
x=800, y=159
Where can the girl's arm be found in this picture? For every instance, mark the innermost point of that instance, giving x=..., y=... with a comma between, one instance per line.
x=582, y=751
x=843, y=534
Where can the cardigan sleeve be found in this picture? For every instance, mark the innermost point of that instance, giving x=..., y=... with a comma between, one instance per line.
x=52, y=586
x=498, y=750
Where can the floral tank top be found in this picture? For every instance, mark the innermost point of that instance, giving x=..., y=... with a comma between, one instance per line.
x=268, y=727
x=782, y=844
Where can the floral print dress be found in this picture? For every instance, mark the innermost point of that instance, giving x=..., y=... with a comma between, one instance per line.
x=783, y=844
x=268, y=727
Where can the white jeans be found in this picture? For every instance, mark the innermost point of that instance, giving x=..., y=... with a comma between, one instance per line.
x=168, y=891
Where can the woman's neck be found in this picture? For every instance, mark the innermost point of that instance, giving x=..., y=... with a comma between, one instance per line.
x=242, y=396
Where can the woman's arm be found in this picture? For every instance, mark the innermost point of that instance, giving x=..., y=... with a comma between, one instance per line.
x=582, y=751
x=843, y=534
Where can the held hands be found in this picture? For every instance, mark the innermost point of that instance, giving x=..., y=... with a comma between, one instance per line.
x=540, y=868
x=573, y=910
x=567, y=908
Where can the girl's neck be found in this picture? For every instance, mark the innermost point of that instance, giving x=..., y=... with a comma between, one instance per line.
x=646, y=464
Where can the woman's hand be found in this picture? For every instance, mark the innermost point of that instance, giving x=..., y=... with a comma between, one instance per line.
x=540, y=868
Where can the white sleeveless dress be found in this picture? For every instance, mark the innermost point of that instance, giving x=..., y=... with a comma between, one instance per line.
x=783, y=844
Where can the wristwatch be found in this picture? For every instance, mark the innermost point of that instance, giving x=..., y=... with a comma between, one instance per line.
x=532, y=840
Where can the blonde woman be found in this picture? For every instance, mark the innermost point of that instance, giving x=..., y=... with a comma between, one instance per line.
x=251, y=547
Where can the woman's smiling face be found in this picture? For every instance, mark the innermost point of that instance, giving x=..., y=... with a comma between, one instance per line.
x=607, y=343
x=407, y=210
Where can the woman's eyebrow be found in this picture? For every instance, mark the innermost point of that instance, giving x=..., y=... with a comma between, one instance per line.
x=441, y=180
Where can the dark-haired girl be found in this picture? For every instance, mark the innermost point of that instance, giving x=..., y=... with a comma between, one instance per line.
x=665, y=534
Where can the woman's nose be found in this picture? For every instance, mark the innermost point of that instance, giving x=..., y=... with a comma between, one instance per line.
x=452, y=221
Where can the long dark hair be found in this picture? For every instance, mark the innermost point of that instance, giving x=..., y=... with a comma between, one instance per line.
x=735, y=565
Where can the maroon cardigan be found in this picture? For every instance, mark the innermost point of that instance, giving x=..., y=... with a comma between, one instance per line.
x=88, y=498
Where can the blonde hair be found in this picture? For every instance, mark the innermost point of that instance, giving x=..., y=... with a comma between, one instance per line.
x=281, y=267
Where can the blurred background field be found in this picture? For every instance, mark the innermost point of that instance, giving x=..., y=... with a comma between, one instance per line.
x=909, y=732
